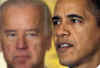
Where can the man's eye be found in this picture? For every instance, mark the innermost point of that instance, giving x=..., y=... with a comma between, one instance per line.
x=11, y=35
x=32, y=34
x=76, y=21
x=56, y=22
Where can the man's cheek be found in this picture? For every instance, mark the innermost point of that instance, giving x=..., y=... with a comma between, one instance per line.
x=35, y=44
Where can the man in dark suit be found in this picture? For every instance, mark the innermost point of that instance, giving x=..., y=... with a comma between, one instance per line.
x=77, y=31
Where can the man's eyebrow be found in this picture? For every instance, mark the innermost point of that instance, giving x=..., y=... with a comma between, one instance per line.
x=56, y=18
x=36, y=30
x=74, y=15
x=7, y=31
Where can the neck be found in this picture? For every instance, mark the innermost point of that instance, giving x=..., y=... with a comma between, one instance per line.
x=39, y=66
x=91, y=62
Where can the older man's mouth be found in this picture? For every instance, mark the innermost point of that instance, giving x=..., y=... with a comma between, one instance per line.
x=22, y=58
x=63, y=46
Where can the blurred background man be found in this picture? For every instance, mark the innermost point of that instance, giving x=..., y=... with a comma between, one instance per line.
x=51, y=59
x=25, y=33
x=77, y=31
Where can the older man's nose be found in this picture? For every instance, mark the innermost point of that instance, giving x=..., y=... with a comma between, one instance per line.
x=62, y=31
x=21, y=44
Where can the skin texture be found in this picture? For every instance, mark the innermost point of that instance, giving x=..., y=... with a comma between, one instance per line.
x=75, y=24
x=22, y=36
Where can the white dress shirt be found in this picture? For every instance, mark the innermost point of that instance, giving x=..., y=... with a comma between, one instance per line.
x=98, y=66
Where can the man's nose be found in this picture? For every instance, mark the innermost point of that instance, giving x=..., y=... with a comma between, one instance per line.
x=62, y=31
x=21, y=44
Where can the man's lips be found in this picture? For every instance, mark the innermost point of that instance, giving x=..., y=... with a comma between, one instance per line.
x=22, y=58
x=63, y=45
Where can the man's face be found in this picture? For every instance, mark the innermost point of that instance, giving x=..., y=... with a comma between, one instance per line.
x=76, y=31
x=23, y=39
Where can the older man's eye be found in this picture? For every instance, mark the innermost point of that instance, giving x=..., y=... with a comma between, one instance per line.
x=11, y=35
x=32, y=34
x=29, y=35
x=76, y=21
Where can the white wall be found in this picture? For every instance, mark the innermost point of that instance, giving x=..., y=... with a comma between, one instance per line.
x=2, y=61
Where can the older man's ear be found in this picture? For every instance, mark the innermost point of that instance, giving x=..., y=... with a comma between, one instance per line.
x=0, y=47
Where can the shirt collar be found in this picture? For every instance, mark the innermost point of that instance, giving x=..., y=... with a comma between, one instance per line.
x=98, y=66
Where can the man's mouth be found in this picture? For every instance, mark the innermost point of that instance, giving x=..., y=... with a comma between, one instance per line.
x=22, y=58
x=61, y=46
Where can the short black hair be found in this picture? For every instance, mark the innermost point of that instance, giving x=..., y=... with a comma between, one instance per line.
x=96, y=3
x=94, y=6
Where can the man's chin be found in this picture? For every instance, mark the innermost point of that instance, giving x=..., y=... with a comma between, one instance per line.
x=68, y=62
x=22, y=66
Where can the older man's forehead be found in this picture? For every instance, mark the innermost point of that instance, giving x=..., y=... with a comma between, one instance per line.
x=18, y=15
x=26, y=9
x=27, y=6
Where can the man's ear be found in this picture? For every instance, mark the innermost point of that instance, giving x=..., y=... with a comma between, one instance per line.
x=0, y=47
x=49, y=43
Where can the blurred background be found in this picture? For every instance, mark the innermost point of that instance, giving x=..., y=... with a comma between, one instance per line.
x=51, y=59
